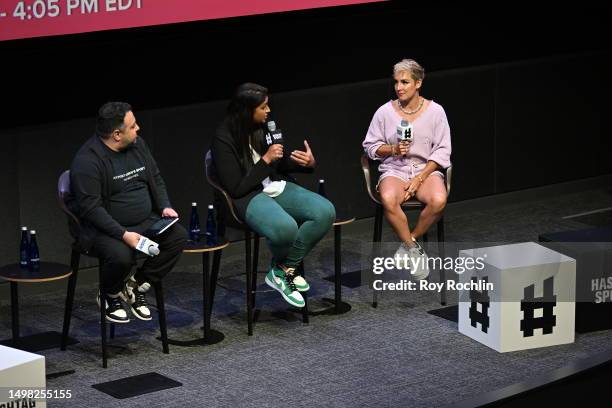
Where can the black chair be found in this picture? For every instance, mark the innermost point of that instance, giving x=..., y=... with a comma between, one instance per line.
x=371, y=176
x=228, y=217
x=63, y=190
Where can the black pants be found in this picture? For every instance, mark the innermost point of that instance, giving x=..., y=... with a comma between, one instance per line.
x=117, y=259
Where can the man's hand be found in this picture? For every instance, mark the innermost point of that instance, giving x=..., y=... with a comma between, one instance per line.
x=169, y=212
x=131, y=238
x=304, y=158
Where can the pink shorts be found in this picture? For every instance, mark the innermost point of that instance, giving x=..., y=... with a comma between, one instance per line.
x=402, y=176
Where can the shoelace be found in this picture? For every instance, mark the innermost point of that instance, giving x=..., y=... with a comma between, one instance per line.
x=419, y=248
x=114, y=304
x=289, y=276
x=140, y=299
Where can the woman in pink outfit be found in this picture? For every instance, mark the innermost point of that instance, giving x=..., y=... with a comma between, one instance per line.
x=410, y=168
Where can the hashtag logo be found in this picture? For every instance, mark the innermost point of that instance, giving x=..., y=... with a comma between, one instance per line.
x=482, y=298
x=546, y=303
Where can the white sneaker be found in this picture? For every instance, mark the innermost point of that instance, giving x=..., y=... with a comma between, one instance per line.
x=402, y=257
x=420, y=269
x=114, y=311
x=412, y=258
x=135, y=297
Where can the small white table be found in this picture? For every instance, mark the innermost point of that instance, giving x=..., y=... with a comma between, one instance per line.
x=20, y=370
x=531, y=304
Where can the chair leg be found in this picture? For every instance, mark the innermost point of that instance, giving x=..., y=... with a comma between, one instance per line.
x=102, y=320
x=378, y=219
x=161, y=311
x=305, y=319
x=214, y=277
x=255, y=267
x=441, y=254
x=75, y=257
x=247, y=247
x=112, y=331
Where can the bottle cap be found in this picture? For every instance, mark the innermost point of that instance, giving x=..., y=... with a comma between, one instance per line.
x=321, y=181
x=210, y=206
x=24, y=228
x=32, y=231
x=194, y=204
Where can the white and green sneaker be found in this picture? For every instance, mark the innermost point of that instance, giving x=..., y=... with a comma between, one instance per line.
x=298, y=280
x=283, y=282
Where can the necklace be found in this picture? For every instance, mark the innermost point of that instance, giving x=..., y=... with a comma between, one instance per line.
x=399, y=105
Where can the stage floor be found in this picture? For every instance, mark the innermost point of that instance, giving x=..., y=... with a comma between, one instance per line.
x=397, y=354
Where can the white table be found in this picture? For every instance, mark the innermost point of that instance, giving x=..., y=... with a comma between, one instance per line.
x=21, y=370
x=531, y=304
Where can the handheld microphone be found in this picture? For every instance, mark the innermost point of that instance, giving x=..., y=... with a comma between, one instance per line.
x=147, y=246
x=404, y=131
x=274, y=135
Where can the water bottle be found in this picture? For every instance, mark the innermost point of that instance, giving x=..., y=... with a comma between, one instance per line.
x=211, y=227
x=24, y=258
x=194, y=224
x=33, y=252
x=322, y=188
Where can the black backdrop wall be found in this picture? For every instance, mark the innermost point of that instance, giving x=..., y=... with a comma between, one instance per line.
x=525, y=93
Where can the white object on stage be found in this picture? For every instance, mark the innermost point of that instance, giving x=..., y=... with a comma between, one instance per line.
x=20, y=370
x=532, y=303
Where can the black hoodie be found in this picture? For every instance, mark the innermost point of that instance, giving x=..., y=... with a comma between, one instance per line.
x=90, y=185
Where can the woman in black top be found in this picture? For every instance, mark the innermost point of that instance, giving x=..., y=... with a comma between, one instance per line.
x=254, y=171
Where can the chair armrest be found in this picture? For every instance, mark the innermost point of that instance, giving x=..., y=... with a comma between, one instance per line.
x=228, y=199
x=365, y=167
x=447, y=177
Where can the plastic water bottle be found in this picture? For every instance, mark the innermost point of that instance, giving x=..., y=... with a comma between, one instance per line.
x=33, y=252
x=211, y=226
x=194, y=224
x=322, y=188
x=24, y=258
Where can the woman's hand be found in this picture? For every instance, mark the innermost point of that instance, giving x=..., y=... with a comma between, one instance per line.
x=404, y=148
x=275, y=152
x=412, y=188
x=304, y=158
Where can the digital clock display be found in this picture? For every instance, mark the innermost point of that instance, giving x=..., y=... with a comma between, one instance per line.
x=37, y=18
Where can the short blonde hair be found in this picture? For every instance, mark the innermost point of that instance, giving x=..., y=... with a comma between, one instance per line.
x=417, y=72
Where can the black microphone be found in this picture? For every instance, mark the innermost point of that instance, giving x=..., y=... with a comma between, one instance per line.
x=274, y=135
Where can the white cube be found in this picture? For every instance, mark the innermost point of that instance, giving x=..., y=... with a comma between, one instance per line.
x=20, y=370
x=532, y=301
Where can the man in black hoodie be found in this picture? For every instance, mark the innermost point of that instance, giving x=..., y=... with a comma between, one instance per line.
x=118, y=193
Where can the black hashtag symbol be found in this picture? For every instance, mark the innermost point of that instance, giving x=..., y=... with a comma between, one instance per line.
x=546, y=303
x=482, y=298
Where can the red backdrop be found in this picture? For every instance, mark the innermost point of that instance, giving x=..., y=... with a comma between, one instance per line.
x=36, y=18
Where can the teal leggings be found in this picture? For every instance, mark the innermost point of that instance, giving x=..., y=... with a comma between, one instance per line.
x=293, y=222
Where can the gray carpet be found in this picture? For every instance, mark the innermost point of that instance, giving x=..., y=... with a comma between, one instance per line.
x=395, y=355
